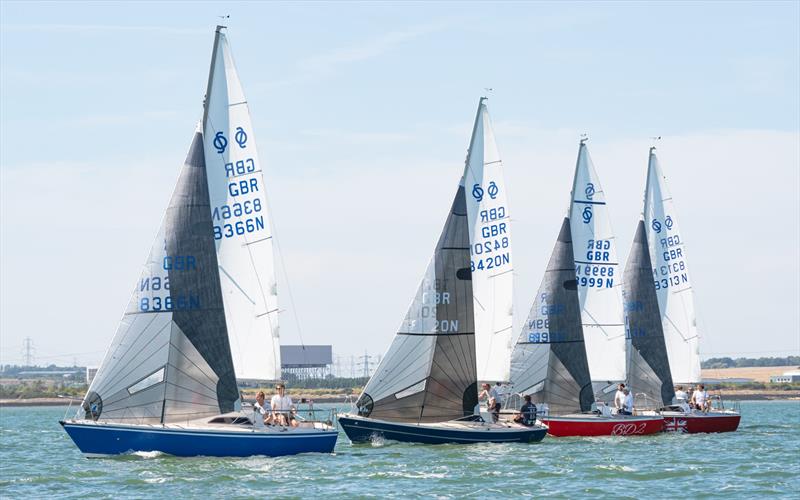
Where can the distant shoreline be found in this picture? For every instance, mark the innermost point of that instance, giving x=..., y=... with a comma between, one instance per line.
x=65, y=402
x=728, y=395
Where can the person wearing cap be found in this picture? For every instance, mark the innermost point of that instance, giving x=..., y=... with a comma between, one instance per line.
x=527, y=413
x=282, y=407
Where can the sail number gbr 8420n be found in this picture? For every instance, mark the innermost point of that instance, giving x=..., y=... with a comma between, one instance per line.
x=244, y=214
x=491, y=249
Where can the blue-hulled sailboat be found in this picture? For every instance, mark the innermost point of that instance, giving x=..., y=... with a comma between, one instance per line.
x=204, y=311
x=425, y=389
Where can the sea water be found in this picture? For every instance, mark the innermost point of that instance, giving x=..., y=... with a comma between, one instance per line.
x=761, y=459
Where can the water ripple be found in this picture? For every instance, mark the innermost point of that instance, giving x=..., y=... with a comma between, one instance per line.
x=761, y=459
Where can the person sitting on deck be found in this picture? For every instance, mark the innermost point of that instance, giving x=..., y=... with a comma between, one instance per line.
x=262, y=410
x=527, y=413
x=493, y=403
x=627, y=403
x=619, y=397
x=282, y=409
x=700, y=399
x=680, y=394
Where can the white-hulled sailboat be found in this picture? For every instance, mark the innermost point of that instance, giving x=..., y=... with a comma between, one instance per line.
x=571, y=350
x=204, y=310
x=425, y=389
x=660, y=315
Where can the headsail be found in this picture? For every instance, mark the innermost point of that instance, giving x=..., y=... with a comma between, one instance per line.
x=170, y=360
x=490, y=248
x=428, y=374
x=648, y=369
x=598, y=275
x=241, y=222
x=549, y=359
x=671, y=277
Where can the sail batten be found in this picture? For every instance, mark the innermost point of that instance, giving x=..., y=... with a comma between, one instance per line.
x=428, y=373
x=648, y=365
x=241, y=222
x=174, y=320
x=597, y=274
x=671, y=277
x=549, y=360
x=490, y=247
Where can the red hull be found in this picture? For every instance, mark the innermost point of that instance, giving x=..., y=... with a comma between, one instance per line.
x=695, y=423
x=596, y=425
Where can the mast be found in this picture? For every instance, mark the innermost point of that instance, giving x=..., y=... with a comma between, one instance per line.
x=213, y=65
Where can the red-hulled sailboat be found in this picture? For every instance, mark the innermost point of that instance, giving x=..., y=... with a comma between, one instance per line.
x=660, y=318
x=574, y=333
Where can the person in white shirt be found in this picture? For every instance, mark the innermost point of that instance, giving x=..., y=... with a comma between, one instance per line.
x=493, y=403
x=619, y=397
x=680, y=394
x=282, y=407
x=627, y=406
x=262, y=410
x=700, y=399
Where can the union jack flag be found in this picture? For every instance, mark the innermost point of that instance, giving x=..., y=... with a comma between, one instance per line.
x=675, y=425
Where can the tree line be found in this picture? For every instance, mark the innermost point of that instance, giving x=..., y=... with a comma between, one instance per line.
x=749, y=362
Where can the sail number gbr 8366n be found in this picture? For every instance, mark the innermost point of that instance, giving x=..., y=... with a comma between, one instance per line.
x=243, y=215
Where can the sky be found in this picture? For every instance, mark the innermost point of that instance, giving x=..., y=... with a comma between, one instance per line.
x=362, y=114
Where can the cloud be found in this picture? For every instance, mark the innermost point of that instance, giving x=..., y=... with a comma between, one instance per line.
x=326, y=63
x=100, y=29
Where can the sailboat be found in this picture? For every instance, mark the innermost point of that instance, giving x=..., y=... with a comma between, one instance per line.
x=204, y=310
x=571, y=349
x=660, y=314
x=425, y=388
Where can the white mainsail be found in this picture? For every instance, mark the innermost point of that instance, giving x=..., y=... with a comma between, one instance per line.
x=490, y=248
x=598, y=274
x=671, y=277
x=241, y=222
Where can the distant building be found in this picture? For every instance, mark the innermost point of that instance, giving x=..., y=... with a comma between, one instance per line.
x=306, y=362
x=786, y=378
x=91, y=371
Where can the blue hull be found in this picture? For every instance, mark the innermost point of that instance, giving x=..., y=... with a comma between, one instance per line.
x=110, y=439
x=364, y=430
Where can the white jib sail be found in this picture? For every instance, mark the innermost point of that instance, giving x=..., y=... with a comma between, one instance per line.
x=598, y=273
x=241, y=222
x=490, y=249
x=671, y=277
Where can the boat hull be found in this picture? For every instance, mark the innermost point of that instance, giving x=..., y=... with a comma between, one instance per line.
x=95, y=440
x=364, y=430
x=700, y=422
x=598, y=425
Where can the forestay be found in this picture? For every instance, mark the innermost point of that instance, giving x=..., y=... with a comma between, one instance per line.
x=170, y=360
x=648, y=365
x=671, y=277
x=549, y=359
x=598, y=274
x=428, y=374
x=241, y=224
x=490, y=248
